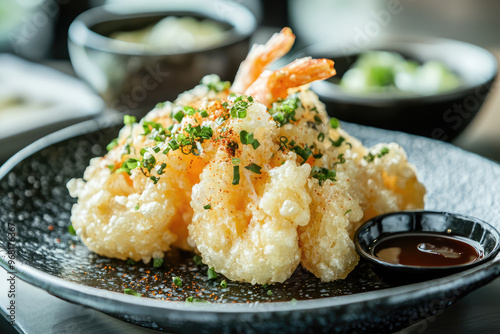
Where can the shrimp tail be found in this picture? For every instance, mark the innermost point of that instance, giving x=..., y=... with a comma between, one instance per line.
x=271, y=86
x=260, y=57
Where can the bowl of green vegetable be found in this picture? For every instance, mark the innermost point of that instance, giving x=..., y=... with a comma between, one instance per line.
x=425, y=86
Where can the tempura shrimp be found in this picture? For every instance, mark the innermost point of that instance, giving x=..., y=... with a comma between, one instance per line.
x=255, y=183
x=271, y=86
x=260, y=57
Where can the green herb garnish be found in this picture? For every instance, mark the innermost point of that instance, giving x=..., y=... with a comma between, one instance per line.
x=197, y=260
x=347, y=212
x=71, y=230
x=112, y=144
x=284, y=112
x=337, y=142
x=214, y=83
x=196, y=300
x=322, y=174
x=223, y=284
x=131, y=292
x=334, y=123
x=248, y=139
x=137, y=207
x=207, y=207
x=177, y=280
x=129, y=120
x=254, y=168
x=128, y=165
x=236, y=175
x=179, y=116
x=158, y=262
x=211, y=273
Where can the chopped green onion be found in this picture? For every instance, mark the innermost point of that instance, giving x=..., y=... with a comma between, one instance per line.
x=334, y=123
x=236, y=175
x=347, y=212
x=223, y=284
x=269, y=293
x=179, y=116
x=131, y=292
x=174, y=145
x=189, y=110
x=383, y=152
x=196, y=300
x=321, y=137
x=317, y=119
x=337, y=142
x=158, y=262
x=177, y=280
x=254, y=168
x=128, y=165
x=207, y=207
x=197, y=260
x=154, y=179
x=322, y=174
x=112, y=144
x=129, y=120
x=204, y=113
x=211, y=273
x=160, y=105
x=71, y=230
x=284, y=112
x=162, y=168
x=214, y=83
x=137, y=207
x=236, y=161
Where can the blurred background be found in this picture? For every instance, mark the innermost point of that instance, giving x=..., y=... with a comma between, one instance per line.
x=42, y=89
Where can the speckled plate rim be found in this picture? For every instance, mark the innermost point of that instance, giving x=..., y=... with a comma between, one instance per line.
x=469, y=280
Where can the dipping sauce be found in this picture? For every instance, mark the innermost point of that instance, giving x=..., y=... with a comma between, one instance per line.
x=427, y=250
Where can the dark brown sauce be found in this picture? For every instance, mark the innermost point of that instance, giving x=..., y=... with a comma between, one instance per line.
x=427, y=249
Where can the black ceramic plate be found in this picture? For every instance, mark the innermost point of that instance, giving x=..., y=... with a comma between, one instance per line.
x=34, y=202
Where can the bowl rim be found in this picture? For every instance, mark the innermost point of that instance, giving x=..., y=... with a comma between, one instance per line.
x=330, y=91
x=422, y=269
x=242, y=20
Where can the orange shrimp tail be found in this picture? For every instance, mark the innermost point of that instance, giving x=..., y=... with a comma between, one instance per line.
x=300, y=72
x=260, y=57
x=271, y=86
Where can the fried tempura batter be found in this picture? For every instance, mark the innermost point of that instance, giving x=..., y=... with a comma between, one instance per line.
x=256, y=183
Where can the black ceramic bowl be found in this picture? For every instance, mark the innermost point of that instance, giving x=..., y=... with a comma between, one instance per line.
x=440, y=116
x=439, y=223
x=131, y=77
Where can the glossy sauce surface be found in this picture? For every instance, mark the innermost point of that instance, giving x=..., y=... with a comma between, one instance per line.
x=427, y=249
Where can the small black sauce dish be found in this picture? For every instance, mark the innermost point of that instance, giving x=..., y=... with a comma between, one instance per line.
x=473, y=231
